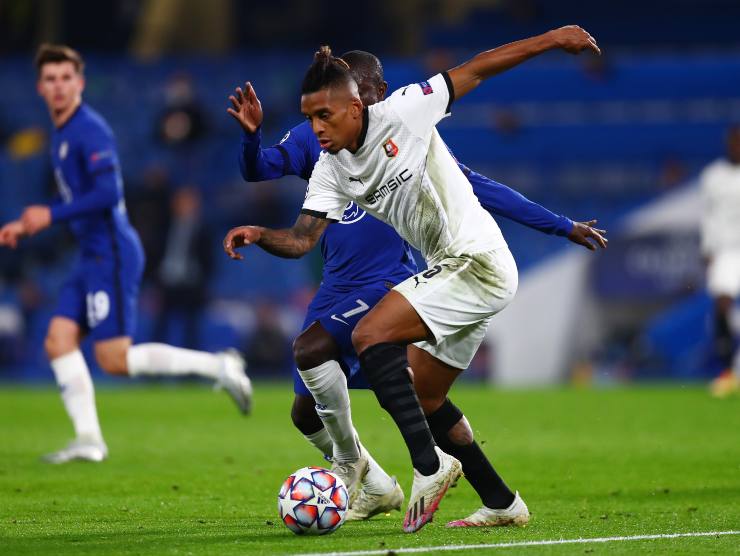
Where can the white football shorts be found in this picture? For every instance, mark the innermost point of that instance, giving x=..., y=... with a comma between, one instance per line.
x=723, y=274
x=457, y=297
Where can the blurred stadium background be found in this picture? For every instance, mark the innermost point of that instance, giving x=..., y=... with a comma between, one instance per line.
x=620, y=138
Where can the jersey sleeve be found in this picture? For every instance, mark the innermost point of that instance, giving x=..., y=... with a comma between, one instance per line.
x=98, y=151
x=323, y=198
x=289, y=157
x=422, y=105
x=501, y=200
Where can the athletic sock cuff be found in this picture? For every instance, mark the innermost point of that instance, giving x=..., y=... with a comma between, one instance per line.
x=445, y=417
x=68, y=366
x=322, y=378
x=381, y=360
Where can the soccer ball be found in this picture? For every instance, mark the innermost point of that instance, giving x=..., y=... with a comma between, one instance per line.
x=313, y=501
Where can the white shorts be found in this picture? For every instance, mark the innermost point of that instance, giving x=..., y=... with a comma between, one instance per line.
x=456, y=299
x=723, y=274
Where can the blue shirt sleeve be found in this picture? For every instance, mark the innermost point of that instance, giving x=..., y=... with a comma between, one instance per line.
x=290, y=157
x=103, y=195
x=500, y=199
x=99, y=161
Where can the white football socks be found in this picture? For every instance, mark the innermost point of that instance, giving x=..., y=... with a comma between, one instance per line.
x=321, y=441
x=328, y=385
x=78, y=394
x=165, y=360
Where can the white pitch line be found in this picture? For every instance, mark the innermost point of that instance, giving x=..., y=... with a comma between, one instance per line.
x=449, y=548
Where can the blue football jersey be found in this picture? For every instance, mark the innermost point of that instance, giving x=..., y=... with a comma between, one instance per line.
x=88, y=177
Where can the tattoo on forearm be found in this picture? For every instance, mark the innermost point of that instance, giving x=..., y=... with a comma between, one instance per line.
x=293, y=243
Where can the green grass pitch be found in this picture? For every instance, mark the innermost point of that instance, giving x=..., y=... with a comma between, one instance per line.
x=188, y=475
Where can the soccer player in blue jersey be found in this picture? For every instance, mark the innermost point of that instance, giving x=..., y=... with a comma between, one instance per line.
x=100, y=298
x=363, y=258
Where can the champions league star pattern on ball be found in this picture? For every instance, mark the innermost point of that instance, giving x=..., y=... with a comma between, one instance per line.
x=313, y=501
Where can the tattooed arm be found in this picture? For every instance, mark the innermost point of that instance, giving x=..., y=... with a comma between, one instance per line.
x=291, y=243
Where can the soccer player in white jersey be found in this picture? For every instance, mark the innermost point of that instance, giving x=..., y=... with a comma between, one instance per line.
x=390, y=161
x=720, y=189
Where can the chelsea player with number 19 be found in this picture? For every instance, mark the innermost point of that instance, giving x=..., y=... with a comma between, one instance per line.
x=363, y=258
x=100, y=299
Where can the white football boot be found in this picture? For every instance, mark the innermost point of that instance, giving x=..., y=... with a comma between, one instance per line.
x=367, y=505
x=233, y=378
x=352, y=473
x=428, y=491
x=516, y=514
x=80, y=449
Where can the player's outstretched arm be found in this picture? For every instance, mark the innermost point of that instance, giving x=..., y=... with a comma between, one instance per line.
x=290, y=243
x=255, y=162
x=499, y=199
x=469, y=75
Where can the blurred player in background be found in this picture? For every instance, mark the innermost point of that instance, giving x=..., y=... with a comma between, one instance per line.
x=354, y=257
x=720, y=189
x=100, y=298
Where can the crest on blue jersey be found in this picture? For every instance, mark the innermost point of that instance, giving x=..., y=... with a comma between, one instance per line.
x=426, y=88
x=352, y=214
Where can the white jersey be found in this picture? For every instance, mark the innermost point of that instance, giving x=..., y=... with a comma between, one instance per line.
x=720, y=188
x=404, y=175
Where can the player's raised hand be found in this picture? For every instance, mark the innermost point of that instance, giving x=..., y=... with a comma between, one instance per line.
x=36, y=218
x=574, y=39
x=11, y=233
x=246, y=108
x=240, y=237
x=584, y=233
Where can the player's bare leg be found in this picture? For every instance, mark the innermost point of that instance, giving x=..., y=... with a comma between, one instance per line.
x=452, y=432
x=78, y=394
x=380, y=340
x=227, y=369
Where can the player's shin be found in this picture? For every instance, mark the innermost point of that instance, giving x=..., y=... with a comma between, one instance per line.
x=73, y=377
x=385, y=367
x=478, y=470
x=328, y=386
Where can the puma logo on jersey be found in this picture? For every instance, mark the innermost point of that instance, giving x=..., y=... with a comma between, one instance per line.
x=359, y=180
x=390, y=148
x=389, y=187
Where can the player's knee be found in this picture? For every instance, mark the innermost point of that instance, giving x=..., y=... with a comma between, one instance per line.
x=112, y=361
x=311, y=350
x=56, y=345
x=363, y=337
x=304, y=416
